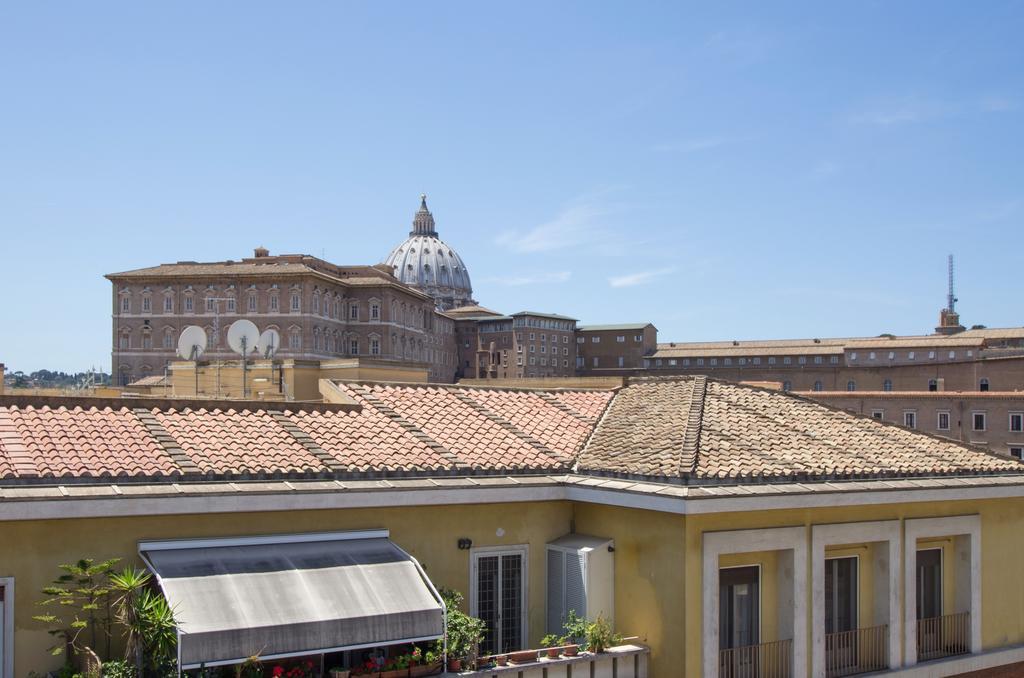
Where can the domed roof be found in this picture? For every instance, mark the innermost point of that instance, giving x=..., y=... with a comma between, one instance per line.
x=426, y=262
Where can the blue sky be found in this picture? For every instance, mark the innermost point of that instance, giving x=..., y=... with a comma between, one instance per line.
x=725, y=171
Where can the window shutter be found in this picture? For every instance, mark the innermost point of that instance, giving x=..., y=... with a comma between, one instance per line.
x=575, y=583
x=556, y=591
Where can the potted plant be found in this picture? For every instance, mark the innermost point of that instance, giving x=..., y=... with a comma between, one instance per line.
x=575, y=637
x=501, y=659
x=552, y=643
x=463, y=632
x=523, y=656
x=338, y=672
x=600, y=635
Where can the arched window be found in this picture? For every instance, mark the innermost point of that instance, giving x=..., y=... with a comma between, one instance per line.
x=886, y=385
x=933, y=384
x=817, y=386
x=851, y=385
x=983, y=385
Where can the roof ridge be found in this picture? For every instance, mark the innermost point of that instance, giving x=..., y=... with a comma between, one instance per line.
x=310, y=445
x=690, y=449
x=14, y=445
x=413, y=430
x=166, y=441
x=511, y=428
x=595, y=428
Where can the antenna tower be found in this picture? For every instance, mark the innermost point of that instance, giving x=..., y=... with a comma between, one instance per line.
x=951, y=297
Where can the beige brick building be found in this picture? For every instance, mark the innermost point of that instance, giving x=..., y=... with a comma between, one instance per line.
x=321, y=311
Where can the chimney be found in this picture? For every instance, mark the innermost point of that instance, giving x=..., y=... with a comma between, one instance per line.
x=261, y=252
x=1, y=378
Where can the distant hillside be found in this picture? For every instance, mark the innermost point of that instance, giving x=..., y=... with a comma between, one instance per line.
x=49, y=379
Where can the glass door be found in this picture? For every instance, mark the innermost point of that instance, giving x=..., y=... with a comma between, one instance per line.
x=499, y=590
x=841, y=612
x=929, y=583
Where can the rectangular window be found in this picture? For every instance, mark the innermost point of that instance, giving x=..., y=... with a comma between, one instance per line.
x=834, y=360
x=1016, y=422
x=978, y=421
x=1017, y=452
x=543, y=348
x=853, y=356
x=910, y=356
x=892, y=355
x=498, y=596
x=565, y=338
x=168, y=304
x=122, y=342
x=188, y=304
x=931, y=355
x=532, y=336
x=295, y=302
x=274, y=305
x=595, y=361
x=353, y=312
x=910, y=419
x=168, y=340
x=209, y=305
x=841, y=604
x=757, y=361
x=533, y=348
x=565, y=351
x=686, y=362
x=231, y=305
x=929, y=588
x=671, y=362
x=252, y=303
x=580, y=340
x=533, y=361
x=147, y=341
x=943, y=421
x=952, y=355
x=739, y=615
x=543, y=337
x=374, y=346
x=621, y=339
x=519, y=361
x=126, y=304
x=595, y=340
x=146, y=304
x=565, y=363
x=353, y=346
x=713, y=362
x=787, y=360
x=638, y=338
x=544, y=361
x=700, y=362
x=727, y=361
x=877, y=414
x=622, y=361
x=817, y=360
x=374, y=311
x=802, y=360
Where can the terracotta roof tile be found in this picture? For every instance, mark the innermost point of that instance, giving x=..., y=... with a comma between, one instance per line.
x=237, y=442
x=530, y=413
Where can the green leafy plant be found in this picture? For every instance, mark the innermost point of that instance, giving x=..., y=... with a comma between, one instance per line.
x=150, y=630
x=79, y=601
x=464, y=632
x=575, y=628
x=118, y=668
x=551, y=640
x=600, y=635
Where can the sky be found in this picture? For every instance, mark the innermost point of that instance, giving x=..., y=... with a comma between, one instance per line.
x=723, y=170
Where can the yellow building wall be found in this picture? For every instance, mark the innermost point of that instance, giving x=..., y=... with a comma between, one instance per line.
x=650, y=571
x=1002, y=548
x=32, y=550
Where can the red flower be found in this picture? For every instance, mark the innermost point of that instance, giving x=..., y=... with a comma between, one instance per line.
x=278, y=671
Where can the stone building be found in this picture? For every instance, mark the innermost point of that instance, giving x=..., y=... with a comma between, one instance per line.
x=321, y=311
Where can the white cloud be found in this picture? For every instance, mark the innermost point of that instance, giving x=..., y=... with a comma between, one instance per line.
x=575, y=225
x=641, y=278
x=539, y=278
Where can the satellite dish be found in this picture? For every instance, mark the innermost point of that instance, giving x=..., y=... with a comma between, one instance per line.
x=192, y=342
x=242, y=337
x=268, y=343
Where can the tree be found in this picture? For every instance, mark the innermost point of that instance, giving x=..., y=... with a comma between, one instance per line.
x=80, y=600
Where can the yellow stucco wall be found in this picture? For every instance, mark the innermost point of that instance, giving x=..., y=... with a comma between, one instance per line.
x=33, y=549
x=649, y=576
x=1002, y=547
x=658, y=558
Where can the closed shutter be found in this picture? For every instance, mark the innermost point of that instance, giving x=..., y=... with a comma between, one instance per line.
x=556, y=591
x=575, y=583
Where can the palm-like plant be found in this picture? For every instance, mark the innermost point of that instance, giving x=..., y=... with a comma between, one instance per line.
x=150, y=628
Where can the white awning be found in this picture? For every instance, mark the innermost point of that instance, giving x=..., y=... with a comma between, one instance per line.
x=290, y=595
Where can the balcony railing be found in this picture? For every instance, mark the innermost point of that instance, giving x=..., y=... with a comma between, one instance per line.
x=943, y=636
x=767, y=660
x=848, y=653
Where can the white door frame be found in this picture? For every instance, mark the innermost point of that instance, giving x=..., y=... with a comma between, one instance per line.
x=7, y=628
x=522, y=550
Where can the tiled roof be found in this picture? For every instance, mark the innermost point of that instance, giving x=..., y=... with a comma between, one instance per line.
x=667, y=429
x=214, y=268
x=683, y=429
x=602, y=328
x=682, y=351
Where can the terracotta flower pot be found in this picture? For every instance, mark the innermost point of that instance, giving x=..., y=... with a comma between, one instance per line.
x=454, y=664
x=571, y=650
x=501, y=660
x=552, y=653
x=523, y=657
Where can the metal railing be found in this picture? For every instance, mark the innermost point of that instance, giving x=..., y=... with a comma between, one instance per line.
x=767, y=660
x=848, y=653
x=943, y=636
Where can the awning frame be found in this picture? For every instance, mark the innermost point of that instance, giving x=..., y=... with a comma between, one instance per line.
x=291, y=538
